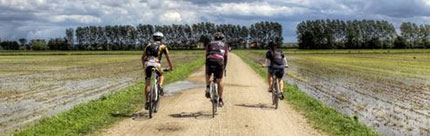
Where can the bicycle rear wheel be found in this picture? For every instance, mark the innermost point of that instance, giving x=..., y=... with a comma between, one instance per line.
x=150, y=105
x=214, y=98
x=275, y=93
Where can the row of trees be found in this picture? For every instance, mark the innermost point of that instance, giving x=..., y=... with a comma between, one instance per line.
x=35, y=44
x=414, y=36
x=127, y=37
x=176, y=36
x=363, y=34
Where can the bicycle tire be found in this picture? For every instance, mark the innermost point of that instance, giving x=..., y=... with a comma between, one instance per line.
x=152, y=96
x=276, y=93
x=150, y=106
x=213, y=99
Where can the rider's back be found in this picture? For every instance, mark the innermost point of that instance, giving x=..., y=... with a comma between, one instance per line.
x=216, y=50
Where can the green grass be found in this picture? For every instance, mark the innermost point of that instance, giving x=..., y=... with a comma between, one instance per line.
x=89, y=117
x=320, y=116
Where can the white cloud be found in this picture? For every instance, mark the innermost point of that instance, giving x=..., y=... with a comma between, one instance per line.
x=170, y=17
x=76, y=18
x=252, y=9
x=49, y=18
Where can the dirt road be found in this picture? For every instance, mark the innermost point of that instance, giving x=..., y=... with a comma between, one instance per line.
x=247, y=111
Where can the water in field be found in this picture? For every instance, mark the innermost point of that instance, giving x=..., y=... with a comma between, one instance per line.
x=35, y=87
x=394, y=103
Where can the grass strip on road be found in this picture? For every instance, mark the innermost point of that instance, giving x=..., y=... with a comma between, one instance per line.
x=319, y=115
x=88, y=117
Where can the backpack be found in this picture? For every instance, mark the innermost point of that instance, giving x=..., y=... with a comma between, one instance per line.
x=277, y=58
x=216, y=48
x=152, y=50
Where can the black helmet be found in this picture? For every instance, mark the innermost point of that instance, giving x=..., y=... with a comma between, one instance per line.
x=218, y=36
x=273, y=44
x=158, y=36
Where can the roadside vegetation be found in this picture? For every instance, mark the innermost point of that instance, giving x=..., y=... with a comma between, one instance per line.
x=90, y=116
x=319, y=115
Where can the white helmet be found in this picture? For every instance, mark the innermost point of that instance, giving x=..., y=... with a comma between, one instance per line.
x=158, y=34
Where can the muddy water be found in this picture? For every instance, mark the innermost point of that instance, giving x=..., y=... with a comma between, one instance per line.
x=391, y=106
x=30, y=96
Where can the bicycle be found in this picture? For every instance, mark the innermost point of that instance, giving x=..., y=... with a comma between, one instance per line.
x=214, y=96
x=154, y=95
x=276, y=93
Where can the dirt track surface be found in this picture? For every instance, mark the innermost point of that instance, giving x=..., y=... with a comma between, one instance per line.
x=247, y=111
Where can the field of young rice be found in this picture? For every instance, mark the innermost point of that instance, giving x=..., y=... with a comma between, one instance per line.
x=34, y=85
x=386, y=89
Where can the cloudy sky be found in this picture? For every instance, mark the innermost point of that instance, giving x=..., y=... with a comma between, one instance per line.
x=49, y=18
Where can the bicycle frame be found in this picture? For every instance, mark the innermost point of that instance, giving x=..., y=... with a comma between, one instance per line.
x=154, y=95
x=275, y=90
x=214, y=95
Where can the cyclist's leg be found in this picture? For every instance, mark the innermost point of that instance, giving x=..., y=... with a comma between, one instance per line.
x=148, y=73
x=208, y=74
x=220, y=87
x=269, y=78
x=161, y=79
x=147, y=89
x=281, y=73
x=208, y=71
x=218, y=74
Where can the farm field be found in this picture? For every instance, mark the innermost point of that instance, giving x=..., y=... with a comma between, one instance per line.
x=34, y=85
x=388, y=90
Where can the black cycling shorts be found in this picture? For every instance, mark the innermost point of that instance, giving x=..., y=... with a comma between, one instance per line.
x=279, y=72
x=215, y=66
x=148, y=72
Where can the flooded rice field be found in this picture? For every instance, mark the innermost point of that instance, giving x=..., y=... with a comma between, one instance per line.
x=391, y=93
x=387, y=91
x=34, y=87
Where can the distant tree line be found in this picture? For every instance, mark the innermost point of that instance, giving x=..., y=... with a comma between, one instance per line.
x=176, y=36
x=127, y=37
x=360, y=34
x=414, y=36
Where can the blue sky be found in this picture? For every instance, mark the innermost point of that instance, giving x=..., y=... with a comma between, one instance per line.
x=49, y=18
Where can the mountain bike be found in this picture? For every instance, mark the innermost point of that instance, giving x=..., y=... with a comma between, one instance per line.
x=276, y=89
x=276, y=95
x=154, y=94
x=214, y=96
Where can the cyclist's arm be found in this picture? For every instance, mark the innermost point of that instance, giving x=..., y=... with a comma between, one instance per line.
x=226, y=56
x=144, y=57
x=166, y=52
x=286, y=62
x=267, y=60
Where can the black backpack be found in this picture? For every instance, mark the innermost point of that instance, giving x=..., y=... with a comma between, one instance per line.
x=277, y=57
x=152, y=50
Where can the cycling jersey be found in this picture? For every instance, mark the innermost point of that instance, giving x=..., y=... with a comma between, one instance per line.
x=154, y=52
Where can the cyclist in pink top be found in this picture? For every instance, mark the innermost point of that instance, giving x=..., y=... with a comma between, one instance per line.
x=216, y=62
